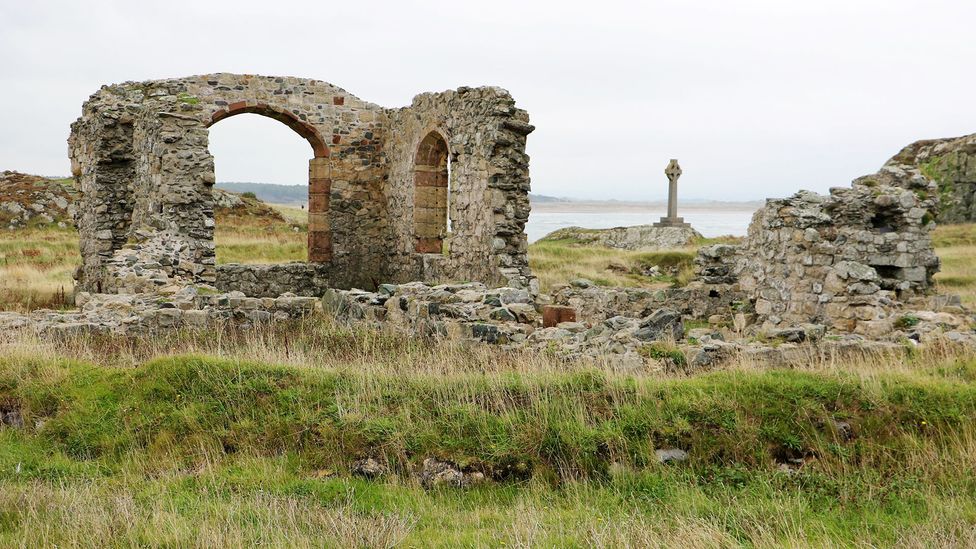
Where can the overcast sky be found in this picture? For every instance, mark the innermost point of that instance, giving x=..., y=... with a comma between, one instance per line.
x=755, y=98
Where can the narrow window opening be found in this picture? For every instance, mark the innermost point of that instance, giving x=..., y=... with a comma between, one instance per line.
x=432, y=176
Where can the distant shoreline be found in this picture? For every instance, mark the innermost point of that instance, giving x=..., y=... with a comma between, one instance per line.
x=606, y=206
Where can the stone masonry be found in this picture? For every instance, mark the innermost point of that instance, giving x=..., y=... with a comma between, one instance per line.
x=382, y=206
x=950, y=163
x=845, y=260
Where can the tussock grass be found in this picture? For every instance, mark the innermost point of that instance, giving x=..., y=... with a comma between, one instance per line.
x=37, y=264
x=243, y=437
x=957, y=275
x=557, y=262
x=36, y=268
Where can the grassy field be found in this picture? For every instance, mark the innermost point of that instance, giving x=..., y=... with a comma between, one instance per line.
x=36, y=264
x=231, y=438
x=186, y=439
x=36, y=267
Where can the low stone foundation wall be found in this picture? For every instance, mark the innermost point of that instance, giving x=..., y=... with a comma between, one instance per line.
x=146, y=313
x=304, y=279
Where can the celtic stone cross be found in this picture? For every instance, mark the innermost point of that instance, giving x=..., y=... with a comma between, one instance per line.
x=673, y=171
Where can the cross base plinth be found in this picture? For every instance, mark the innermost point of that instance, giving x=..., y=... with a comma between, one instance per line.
x=672, y=222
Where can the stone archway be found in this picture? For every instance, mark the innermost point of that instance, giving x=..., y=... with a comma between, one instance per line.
x=319, y=173
x=431, y=186
x=379, y=192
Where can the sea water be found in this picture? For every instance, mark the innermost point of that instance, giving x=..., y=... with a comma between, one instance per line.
x=709, y=222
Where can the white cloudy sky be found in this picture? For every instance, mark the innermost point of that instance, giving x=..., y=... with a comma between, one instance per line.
x=756, y=98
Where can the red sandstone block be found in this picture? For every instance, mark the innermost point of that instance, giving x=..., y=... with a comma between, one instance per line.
x=318, y=221
x=319, y=256
x=319, y=246
x=335, y=139
x=236, y=105
x=338, y=100
x=425, y=179
x=554, y=314
x=319, y=186
x=318, y=203
x=429, y=246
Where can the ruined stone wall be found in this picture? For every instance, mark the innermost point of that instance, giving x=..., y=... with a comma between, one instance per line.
x=139, y=153
x=488, y=201
x=950, y=163
x=843, y=260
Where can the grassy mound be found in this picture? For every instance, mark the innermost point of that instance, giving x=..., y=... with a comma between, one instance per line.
x=222, y=450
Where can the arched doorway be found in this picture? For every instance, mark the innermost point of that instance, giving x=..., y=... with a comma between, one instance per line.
x=431, y=192
x=319, y=174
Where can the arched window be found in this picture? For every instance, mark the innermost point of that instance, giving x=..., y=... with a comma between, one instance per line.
x=431, y=182
x=319, y=238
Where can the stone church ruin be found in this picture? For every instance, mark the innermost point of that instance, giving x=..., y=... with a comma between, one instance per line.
x=434, y=191
x=416, y=224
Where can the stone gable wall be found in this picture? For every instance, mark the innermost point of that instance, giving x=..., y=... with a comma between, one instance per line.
x=139, y=154
x=488, y=202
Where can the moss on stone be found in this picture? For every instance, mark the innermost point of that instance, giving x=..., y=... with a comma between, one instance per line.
x=188, y=99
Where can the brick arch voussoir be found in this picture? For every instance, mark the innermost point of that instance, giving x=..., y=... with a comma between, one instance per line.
x=302, y=128
x=432, y=149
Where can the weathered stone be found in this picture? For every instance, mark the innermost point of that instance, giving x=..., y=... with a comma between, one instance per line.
x=434, y=473
x=368, y=468
x=842, y=260
x=671, y=455
x=378, y=186
x=943, y=168
x=661, y=324
x=12, y=417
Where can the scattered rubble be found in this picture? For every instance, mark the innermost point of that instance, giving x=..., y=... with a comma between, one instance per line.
x=31, y=200
x=368, y=468
x=434, y=473
x=671, y=455
x=187, y=307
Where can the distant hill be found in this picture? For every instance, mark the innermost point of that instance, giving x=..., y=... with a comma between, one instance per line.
x=298, y=194
x=269, y=192
x=542, y=199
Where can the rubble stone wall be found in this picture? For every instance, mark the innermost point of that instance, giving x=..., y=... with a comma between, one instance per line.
x=304, y=279
x=146, y=220
x=950, y=163
x=843, y=259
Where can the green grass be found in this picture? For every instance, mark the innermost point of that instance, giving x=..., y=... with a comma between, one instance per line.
x=214, y=448
x=557, y=262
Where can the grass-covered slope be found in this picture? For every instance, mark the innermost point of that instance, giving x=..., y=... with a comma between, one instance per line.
x=219, y=448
